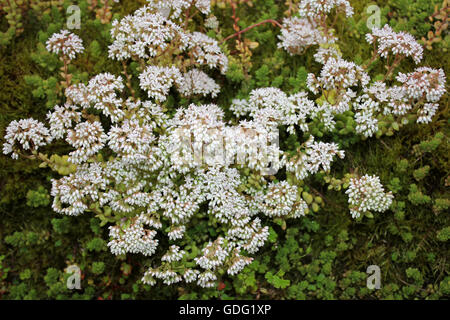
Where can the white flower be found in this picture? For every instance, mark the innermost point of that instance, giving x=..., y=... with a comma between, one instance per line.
x=238, y=263
x=214, y=255
x=173, y=254
x=62, y=118
x=133, y=239
x=396, y=43
x=367, y=194
x=167, y=275
x=267, y=105
x=132, y=141
x=176, y=232
x=314, y=8
x=25, y=134
x=206, y=51
x=88, y=138
x=316, y=155
x=427, y=112
x=73, y=193
x=102, y=93
x=379, y=91
x=206, y=279
x=190, y=275
x=299, y=34
x=240, y=107
x=424, y=83
x=141, y=35
x=339, y=75
x=366, y=122
x=196, y=82
x=324, y=54
x=78, y=95
x=174, y=9
x=212, y=23
x=65, y=42
x=279, y=200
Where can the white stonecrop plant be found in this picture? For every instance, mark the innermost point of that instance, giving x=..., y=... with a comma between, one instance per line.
x=154, y=174
x=345, y=86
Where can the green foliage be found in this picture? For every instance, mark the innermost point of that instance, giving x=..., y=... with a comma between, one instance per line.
x=39, y=197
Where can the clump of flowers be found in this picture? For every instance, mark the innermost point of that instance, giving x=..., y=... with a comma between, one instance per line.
x=154, y=169
x=299, y=34
x=345, y=86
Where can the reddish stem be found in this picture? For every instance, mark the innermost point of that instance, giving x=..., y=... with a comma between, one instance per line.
x=251, y=27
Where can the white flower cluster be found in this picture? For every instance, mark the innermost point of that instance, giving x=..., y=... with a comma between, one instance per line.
x=174, y=8
x=298, y=34
x=214, y=255
x=282, y=199
x=207, y=279
x=339, y=75
x=419, y=92
x=212, y=23
x=367, y=194
x=395, y=43
x=62, y=118
x=157, y=81
x=237, y=263
x=266, y=105
x=168, y=276
x=150, y=34
x=141, y=35
x=196, y=82
x=206, y=51
x=200, y=136
x=66, y=43
x=324, y=53
x=133, y=238
x=173, y=254
x=102, y=93
x=132, y=141
x=365, y=118
x=427, y=85
x=25, y=134
x=424, y=83
x=73, y=193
